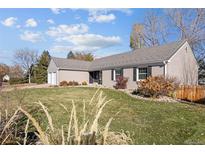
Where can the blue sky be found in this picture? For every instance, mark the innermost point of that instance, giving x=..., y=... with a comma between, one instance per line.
x=102, y=31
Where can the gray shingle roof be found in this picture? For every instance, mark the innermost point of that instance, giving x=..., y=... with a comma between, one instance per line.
x=71, y=64
x=144, y=56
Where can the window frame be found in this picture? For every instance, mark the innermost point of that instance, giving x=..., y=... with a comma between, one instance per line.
x=142, y=73
x=114, y=74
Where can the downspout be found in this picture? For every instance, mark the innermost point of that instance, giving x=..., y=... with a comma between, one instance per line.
x=165, y=67
x=57, y=77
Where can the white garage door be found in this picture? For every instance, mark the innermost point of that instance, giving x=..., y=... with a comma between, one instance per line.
x=53, y=78
x=49, y=78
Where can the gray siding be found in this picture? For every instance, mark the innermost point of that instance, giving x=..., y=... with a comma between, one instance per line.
x=183, y=66
x=67, y=75
x=128, y=73
x=158, y=70
x=106, y=79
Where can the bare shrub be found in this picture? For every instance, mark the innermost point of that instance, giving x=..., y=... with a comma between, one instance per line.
x=156, y=86
x=70, y=83
x=63, y=83
x=84, y=83
x=73, y=83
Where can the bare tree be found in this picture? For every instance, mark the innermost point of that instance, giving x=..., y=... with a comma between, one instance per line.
x=26, y=58
x=156, y=30
x=16, y=71
x=191, y=25
x=152, y=32
x=182, y=24
x=136, y=37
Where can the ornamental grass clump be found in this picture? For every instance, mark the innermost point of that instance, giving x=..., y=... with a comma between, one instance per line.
x=78, y=130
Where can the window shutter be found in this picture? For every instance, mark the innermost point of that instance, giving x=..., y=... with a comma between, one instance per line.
x=149, y=71
x=112, y=74
x=122, y=72
x=134, y=74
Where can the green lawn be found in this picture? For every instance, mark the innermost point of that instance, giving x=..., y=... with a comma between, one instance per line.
x=147, y=122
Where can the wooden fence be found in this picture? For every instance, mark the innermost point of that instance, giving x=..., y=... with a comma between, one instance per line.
x=191, y=93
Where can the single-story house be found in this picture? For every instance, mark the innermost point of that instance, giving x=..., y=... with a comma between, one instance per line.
x=6, y=77
x=175, y=59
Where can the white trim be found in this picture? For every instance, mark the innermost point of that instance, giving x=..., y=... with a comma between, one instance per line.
x=137, y=74
x=57, y=78
x=176, y=52
x=165, y=70
x=49, y=78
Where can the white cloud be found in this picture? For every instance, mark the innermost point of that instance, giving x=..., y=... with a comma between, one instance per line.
x=60, y=48
x=18, y=26
x=50, y=21
x=9, y=21
x=102, y=18
x=64, y=48
x=126, y=11
x=101, y=15
x=64, y=30
x=108, y=10
x=31, y=22
x=57, y=10
x=88, y=42
x=31, y=36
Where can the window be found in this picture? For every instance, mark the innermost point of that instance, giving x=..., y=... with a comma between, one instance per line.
x=142, y=73
x=116, y=73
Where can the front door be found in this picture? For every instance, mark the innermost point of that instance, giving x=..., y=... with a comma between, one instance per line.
x=95, y=77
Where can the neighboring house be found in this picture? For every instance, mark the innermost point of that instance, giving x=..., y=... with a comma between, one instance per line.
x=170, y=60
x=6, y=77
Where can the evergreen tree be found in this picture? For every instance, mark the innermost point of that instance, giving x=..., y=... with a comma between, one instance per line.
x=70, y=55
x=86, y=56
x=201, y=62
x=40, y=69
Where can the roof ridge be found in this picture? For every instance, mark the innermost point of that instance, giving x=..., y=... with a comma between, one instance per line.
x=71, y=59
x=132, y=58
x=131, y=51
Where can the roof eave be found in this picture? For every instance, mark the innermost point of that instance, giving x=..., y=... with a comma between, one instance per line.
x=161, y=63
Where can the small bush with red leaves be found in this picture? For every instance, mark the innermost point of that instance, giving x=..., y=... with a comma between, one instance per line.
x=63, y=83
x=121, y=83
x=156, y=86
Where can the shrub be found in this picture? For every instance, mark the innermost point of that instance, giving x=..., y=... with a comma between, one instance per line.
x=84, y=83
x=156, y=86
x=121, y=83
x=73, y=83
x=18, y=81
x=63, y=83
